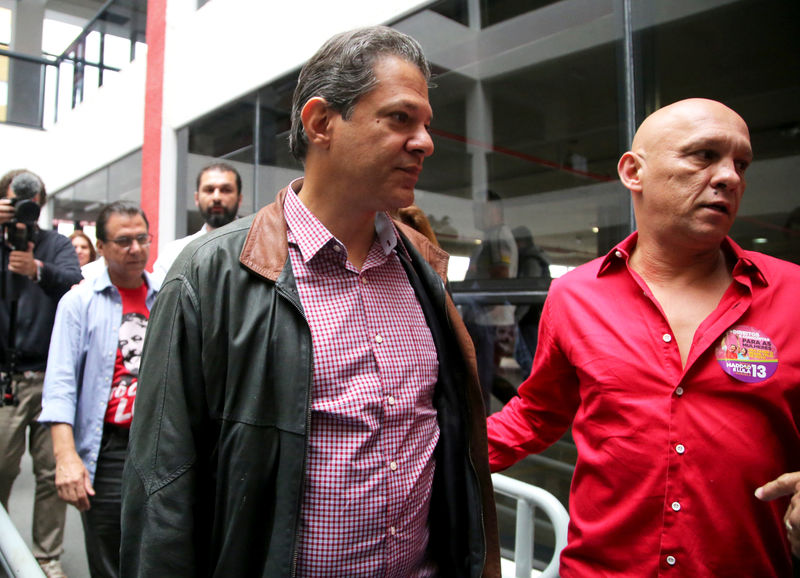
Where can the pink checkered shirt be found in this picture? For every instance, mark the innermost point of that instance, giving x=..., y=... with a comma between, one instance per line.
x=373, y=424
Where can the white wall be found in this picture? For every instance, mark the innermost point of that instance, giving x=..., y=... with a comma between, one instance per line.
x=18, y=149
x=231, y=47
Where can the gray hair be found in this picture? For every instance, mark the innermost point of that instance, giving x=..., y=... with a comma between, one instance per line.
x=7, y=179
x=342, y=71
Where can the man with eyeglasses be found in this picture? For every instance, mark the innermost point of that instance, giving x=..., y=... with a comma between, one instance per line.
x=39, y=267
x=91, y=379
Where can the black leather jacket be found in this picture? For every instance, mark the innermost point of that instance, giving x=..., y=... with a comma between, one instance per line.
x=214, y=477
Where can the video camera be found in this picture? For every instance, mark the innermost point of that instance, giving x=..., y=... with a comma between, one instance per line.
x=19, y=230
x=26, y=212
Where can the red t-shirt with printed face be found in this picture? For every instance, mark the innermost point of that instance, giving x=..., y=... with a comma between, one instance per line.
x=129, y=351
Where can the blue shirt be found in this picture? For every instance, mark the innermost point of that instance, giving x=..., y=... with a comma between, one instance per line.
x=80, y=366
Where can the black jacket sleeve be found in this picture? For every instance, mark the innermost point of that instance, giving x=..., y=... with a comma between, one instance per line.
x=60, y=267
x=159, y=483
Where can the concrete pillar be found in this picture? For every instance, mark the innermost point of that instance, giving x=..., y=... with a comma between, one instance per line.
x=26, y=79
x=479, y=129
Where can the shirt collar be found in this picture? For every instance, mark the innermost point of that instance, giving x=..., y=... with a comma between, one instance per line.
x=619, y=254
x=746, y=267
x=745, y=270
x=310, y=235
x=387, y=234
x=305, y=230
x=103, y=281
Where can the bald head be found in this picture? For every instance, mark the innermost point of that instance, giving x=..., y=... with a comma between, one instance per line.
x=683, y=118
x=686, y=170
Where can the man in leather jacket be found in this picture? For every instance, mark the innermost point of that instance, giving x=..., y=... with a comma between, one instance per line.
x=308, y=401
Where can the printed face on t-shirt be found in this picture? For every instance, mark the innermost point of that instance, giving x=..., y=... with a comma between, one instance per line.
x=131, y=339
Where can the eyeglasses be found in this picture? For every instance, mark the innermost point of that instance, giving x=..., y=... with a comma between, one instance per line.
x=126, y=242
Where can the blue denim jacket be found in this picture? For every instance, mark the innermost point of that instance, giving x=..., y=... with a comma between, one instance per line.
x=80, y=364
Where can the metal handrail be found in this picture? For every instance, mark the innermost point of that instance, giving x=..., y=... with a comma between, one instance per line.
x=88, y=29
x=528, y=499
x=56, y=61
x=15, y=557
x=26, y=57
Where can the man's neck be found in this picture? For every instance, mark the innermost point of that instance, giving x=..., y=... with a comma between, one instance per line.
x=663, y=264
x=125, y=282
x=355, y=229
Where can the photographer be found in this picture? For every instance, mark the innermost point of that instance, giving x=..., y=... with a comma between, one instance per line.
x=39, y=267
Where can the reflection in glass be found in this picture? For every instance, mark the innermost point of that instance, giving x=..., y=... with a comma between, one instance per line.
x=758, y=75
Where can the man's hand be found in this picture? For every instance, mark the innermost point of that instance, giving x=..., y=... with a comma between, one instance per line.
x=72, y=481
x=786, y=485
x=23, y=262
x=72, y=478
x=6, y=211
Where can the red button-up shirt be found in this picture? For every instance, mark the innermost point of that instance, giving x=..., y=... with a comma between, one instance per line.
x=668, y=456
x=373, y=426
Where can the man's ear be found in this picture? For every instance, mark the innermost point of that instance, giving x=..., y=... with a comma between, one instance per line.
x=629, y=169
x=316, y=116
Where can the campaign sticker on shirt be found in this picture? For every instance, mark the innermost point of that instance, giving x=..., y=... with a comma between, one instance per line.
x=747, y=354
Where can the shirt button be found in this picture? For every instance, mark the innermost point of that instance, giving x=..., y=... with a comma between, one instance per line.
x=676, y=506
x=393, y=466
x=679, y=390
x=364, y=281
x=378, y=339
x=337, y=248
x=671, y=560
x=618, y=254
x=392, y=530
x=680, y=448
x=667, y=338
x=390, y=400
